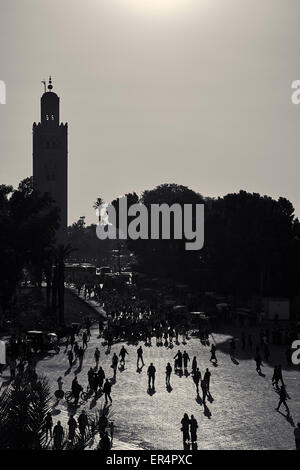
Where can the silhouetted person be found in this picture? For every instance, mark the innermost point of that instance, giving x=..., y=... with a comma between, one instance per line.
x=107, y=391
x=194, y=365
x=76, y=389
x=168, y=374
x=277, y=375
x=48, y=424
x=186, y=359
x=258, y=362
x=84, y=339
x=178, y=359
x=151, y=375
x=100, y=377
x=197, y=378
x=83, y=423
x=58, y=435
x=70, y=358
x=123, y=353
x=204, y=390
x=207, y=378
x=104, y=443
x=97, y=357
x=283, y=396
x=213, y=357
x=193, y=427
x=114, y=364
x=72, y=424
x=139, y=357
x=185, y=424
x=297, y=436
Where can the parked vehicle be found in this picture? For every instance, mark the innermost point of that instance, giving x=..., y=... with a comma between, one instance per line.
x=42, y=341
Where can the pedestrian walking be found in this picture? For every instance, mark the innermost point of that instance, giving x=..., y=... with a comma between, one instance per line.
x=168, y=374
x=197, y=378
x=114, y=364
x=193, y=428
x=97, y=357
x=204, y=390
x=258, y=362
x=107, y=391
x=207, y=376
x=83, y=423
x=213, y=357
x=186, y=359
x=70, y=358
x=178, y=359
x=100, y=377
x=194, y=365
x=58, y=435
x=140, y=357
x=123, y=353
x=84, y=340
x=151, y=376
x=185, y=429
x=283, y=396
x=72, y=425
x=48, y=425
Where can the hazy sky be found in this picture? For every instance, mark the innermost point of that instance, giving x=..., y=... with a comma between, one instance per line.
x=196, y=92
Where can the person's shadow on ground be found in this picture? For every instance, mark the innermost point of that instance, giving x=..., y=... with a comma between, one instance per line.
x=206, y=411
x=199, y=400
x=261, y=374
x=288, y=417
x=234, y=360
x=78, y=370
x=122, y=368
x=139, y=369
x=210, y=397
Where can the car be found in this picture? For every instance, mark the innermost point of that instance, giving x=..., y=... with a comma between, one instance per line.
x=42, y=341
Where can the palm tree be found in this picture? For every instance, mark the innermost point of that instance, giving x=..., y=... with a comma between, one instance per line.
x=97, y=204
x=23, y=409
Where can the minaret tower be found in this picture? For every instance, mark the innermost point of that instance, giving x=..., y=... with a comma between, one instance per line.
x=50, y=156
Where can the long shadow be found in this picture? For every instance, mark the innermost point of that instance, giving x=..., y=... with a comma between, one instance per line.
x=261, y=374
x=209, y=397
x=234, y=360
x=199, y=400
x=288, y=417
x=206, y=411
x=78, y=370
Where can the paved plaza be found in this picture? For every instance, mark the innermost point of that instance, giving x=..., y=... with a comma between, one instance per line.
x=241, y=414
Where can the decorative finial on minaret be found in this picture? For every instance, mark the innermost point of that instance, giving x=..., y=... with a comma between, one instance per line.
x=50, y=84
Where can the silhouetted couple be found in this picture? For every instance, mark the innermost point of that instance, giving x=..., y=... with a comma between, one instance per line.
x=189, y=430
